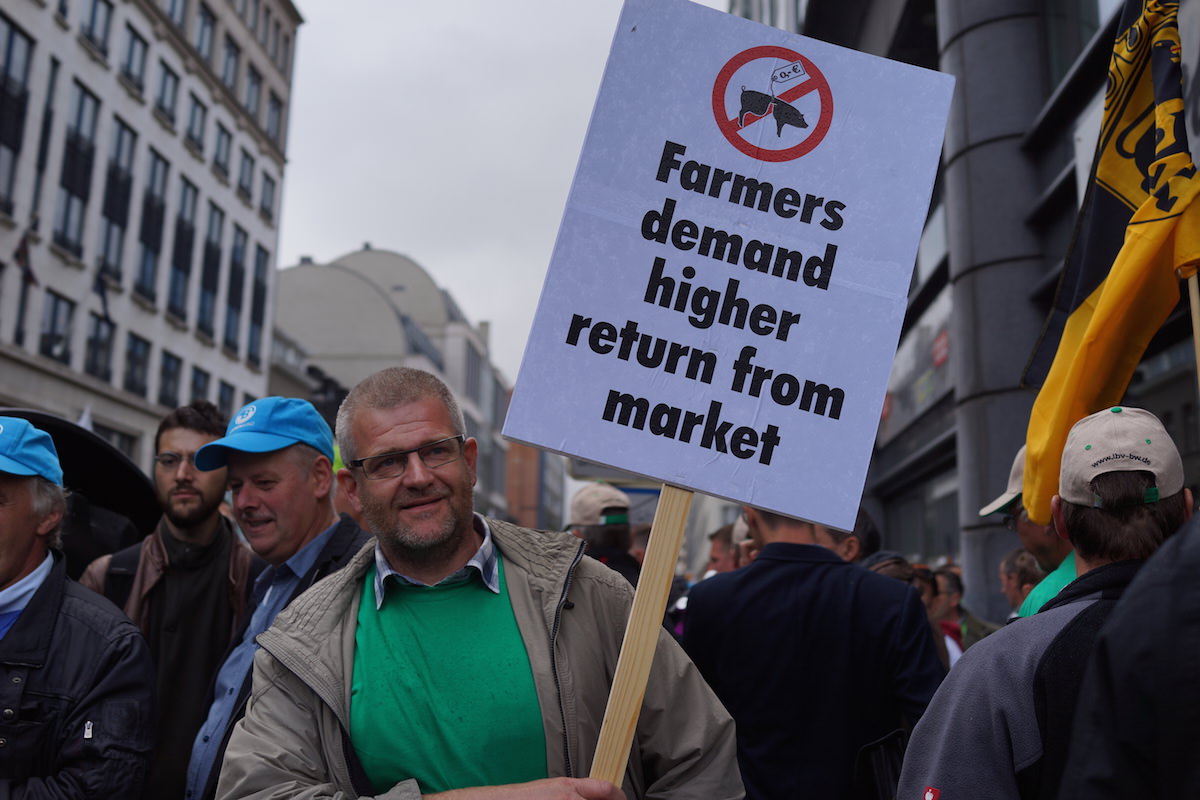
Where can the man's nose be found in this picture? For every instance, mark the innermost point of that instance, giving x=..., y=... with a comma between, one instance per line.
x=415, y=472
x=185, y=468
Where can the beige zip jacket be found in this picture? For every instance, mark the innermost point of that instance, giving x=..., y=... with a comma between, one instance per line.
x=571, y=611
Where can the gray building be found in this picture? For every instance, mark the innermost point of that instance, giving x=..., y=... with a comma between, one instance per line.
x=372, y=309
x=142, y=151
x=1017, y=155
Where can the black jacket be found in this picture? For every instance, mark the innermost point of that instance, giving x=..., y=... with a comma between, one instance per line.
x=76, y=697
x=1137, y=726
x=814, y=658
x=347, y=539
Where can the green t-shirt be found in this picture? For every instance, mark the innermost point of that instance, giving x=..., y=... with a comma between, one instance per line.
x=442, y=688
x=1050, y=586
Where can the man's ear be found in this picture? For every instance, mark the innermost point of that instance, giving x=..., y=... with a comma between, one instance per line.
x=851, y=548
x=1187, y=504
x=1057, y=518
x=48, y=523
x=349, y=487
x=322, y=475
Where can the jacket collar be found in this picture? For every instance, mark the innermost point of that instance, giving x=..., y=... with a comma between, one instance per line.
x=547, y=558
x=789, y=551
x=29, y=638
x=1106, y=582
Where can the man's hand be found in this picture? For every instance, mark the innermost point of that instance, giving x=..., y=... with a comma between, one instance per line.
x=548, y=789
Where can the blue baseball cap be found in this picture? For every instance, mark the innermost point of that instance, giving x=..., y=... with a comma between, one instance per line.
x=26, y=450
x=265, y=426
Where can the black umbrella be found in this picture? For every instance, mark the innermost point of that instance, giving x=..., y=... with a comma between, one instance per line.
x=102, y=479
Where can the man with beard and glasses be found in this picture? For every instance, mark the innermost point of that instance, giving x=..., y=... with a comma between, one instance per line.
x=279, y=455
x=461, y=656
x=186, y=586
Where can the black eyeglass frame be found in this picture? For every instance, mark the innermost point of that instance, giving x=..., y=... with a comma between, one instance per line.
x=358, y=463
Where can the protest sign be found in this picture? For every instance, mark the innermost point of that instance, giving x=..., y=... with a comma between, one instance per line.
x=725, y=295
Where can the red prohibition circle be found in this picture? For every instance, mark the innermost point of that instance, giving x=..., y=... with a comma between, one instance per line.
x=730, y=127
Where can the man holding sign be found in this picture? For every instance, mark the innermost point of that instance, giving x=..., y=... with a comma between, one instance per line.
x=459, y=651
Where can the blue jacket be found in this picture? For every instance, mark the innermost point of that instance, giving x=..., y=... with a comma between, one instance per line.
x=814, y=658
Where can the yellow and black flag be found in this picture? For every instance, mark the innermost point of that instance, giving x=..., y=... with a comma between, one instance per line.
x=1139, y=225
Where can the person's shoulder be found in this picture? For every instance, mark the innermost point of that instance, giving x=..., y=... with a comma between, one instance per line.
x=348, y=537
x=90, y=614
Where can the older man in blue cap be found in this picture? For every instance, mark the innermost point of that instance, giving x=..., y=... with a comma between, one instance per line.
x=279, y=453
x=76, y=679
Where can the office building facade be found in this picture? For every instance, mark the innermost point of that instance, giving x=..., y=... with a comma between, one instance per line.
x=142, y=152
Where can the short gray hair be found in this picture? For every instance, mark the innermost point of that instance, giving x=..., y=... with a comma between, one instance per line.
x=46, y=498
x=389, y=388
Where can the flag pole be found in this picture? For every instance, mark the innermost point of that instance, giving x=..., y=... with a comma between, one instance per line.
x=1194, y=297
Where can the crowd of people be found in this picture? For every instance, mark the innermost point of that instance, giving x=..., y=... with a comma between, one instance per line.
x=353, y=628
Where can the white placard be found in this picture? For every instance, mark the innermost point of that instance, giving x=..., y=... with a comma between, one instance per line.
x=726, y=291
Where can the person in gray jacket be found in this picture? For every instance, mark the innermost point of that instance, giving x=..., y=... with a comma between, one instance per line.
x=460, y=656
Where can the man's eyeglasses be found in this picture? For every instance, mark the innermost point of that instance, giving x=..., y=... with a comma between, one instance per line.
x=392, y=465
x=170, y=460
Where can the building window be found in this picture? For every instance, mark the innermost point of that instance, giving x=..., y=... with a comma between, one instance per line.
x=274, y=49
x=474, y=376
x=196, y=118
x=153, y=212
x=168, y=90
x=258, y=306
x=206, y=23
x=267, y=206
x=274, y=117
x=75, y=184
x=210, y=273
x=15, y=48
x=253, y=16
x=221, y=153
x=246, y=176
x=229, y=64
x=98, y=360
x=134, y=65
x=225, y=399
x=285, y=49
x=137, y=364
x=117, y=192
x=58, y=313
x=168, y=380
x=177, y=12
x=181, y=258
x=233, y=296
x=1070, y=24
x=201, y=380
x=95, y=27
x=253, y=90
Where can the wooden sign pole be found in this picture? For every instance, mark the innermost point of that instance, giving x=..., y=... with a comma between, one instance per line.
x=641, y=635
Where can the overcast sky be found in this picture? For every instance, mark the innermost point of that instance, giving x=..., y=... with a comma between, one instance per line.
x=448, y=132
